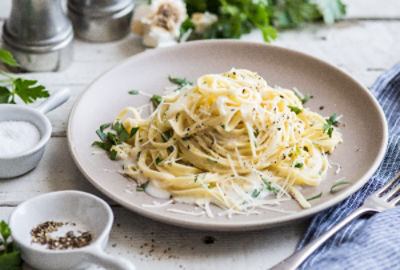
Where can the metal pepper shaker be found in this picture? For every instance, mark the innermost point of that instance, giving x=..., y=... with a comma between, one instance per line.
x=39, y=35
x=100, y=20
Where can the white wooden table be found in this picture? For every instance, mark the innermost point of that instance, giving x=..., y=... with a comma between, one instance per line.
x=365, y=44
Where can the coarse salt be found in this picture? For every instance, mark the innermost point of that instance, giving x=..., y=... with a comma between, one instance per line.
x=17, y=137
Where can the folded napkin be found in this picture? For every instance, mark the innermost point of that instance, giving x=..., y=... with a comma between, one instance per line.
x=367, y=243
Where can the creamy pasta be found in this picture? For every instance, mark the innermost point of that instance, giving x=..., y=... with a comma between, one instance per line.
x=230, y=140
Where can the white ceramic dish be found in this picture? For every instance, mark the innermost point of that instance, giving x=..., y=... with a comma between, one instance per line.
x=17, y=164
x=364, y=133
x=66, y=206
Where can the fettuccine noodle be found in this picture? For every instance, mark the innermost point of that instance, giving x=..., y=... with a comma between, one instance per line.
x=231, y=140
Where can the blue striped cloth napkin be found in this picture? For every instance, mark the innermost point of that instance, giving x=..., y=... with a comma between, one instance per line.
x=367, y=243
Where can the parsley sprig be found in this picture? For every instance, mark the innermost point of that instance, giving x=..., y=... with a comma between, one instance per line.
x=295, y=109
x=238, y=17
x=156, y=100
x=180, y=82
x=9, y=256
x=10, y=87
x=328, y=125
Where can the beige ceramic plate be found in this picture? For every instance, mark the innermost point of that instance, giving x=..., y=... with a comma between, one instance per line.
x=364, y=132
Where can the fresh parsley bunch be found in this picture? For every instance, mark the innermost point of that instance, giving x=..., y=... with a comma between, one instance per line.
x=238, y=17
x=10, y=258
x=10, y=87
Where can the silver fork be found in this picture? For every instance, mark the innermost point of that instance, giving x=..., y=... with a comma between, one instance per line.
x=384, y=198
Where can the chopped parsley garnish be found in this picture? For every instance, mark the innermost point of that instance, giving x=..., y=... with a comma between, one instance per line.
x=255, y=132
x=156, y=99
x=158, y=160
x=302, y=98
x=133, y=131
x=269, y=186
x=295, y=109
x=335, y=188
x=113, y=154
x=180, y=82
x=139, y=188
x=166, y=135
x=115, y=136
x=195, y=178
x=223, y=126
x=256, y=193
x=315, y=197
x=122, y=134
x=134, y=92
x=186, y=138
x=299, y=165
x=328, y=125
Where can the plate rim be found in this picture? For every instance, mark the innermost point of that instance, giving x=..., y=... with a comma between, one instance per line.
x=242, y=225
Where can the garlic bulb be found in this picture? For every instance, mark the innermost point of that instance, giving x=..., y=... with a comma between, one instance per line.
x=203, y=21
x=159, y=22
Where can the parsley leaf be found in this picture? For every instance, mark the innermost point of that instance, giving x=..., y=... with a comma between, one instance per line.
x=156, y=99
x=315, y=197
x=180, y=82
x=335, y=188
x=185, y=26
x=328, y=125
x=238, y=17
x=7, y=58
x=299, y=165
x=113, y=155
x=9, y=256
x=158, y=160
x=5, y=95
x=303, y=98
x=117, y=135
x=133, y=92
x=331, y=10
x=28, y=90
x=295, y=109
x=166, y=135
x=256, y=193
x=269, y=186
x=186, y=138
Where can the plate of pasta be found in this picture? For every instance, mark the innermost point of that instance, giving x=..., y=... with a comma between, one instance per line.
x=227, y=135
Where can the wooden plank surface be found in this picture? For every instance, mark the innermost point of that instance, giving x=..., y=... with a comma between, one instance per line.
x=151, y=245
x=364, y=43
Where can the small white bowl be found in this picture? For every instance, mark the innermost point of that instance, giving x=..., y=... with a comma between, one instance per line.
x=87, y=211
x=17, y=164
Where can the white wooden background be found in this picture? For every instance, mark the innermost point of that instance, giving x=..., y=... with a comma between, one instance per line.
x=365, y=44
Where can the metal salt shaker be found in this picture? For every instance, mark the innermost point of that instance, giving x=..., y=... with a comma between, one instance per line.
x=100, y=20
x=39, y=35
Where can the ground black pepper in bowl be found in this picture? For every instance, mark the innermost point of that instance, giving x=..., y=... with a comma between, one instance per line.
x=41, y=235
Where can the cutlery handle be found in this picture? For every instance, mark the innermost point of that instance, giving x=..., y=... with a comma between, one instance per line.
x=297, y=258
x=100, y=258
x=54, y=100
